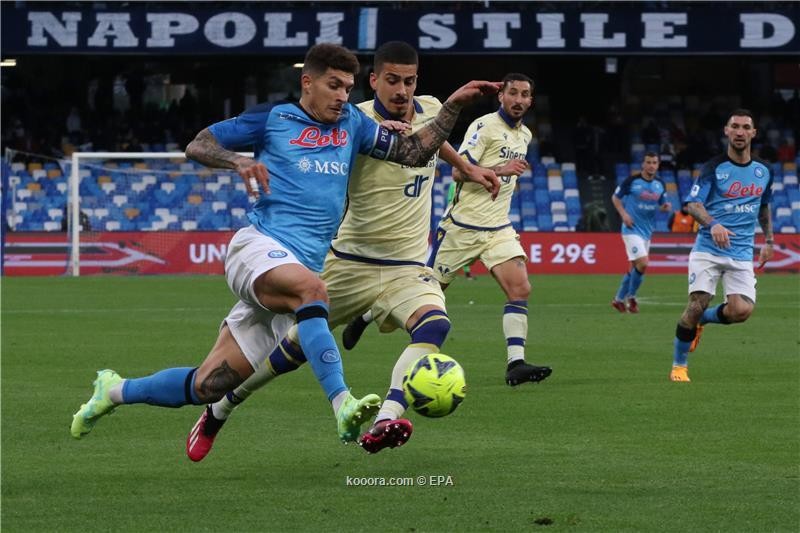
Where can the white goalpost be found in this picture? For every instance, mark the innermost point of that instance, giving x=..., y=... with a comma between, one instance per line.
x=75, y=197
x=80, y=160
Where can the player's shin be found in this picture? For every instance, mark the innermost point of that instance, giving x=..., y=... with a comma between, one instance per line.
x=286, y=357
x=683, y=339
x=427, y=336
x=321, y=350
x=636, y=279
x=622, y=292
x=515, y=328
x=715, y=315
x=173, y=387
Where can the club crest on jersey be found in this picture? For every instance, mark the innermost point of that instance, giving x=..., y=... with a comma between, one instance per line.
x=312, y=137
x=758, y=172
x=722, y=176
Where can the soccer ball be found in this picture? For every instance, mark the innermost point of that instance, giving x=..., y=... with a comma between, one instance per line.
x=434, y=385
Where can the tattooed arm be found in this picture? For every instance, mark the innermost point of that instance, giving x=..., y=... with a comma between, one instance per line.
x=699, y=213
x=417, y=149
x=765, y=220
x=719, y=233
x=206, y=150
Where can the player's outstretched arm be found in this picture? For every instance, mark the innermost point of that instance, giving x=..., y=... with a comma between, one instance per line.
x=463, y=170
x=417, y=149
x=206, y=150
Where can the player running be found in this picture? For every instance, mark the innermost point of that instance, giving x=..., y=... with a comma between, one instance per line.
x=477, y=227
x=732, y=192
x=271, y=265
x=636, y=200
x=377, y=260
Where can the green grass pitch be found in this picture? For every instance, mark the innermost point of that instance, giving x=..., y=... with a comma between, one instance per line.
x=607, y=443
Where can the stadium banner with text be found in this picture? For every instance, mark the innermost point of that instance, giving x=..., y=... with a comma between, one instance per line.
x=181, y=252
x=533, y=28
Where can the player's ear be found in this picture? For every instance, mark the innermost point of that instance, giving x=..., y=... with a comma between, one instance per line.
x=305, y=82
x=373, y=80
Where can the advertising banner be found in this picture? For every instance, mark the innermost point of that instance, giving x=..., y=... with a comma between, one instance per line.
x=47, y=254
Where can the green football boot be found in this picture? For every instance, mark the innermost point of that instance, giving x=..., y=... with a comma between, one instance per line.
x=353, y=413
x=98, y=405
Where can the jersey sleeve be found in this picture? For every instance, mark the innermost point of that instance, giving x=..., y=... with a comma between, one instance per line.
x=372, y=139
x=701, y=188
x=624, y=188
x=474, y=142
x=663, y=198
x=246, y=129
x=766, y=196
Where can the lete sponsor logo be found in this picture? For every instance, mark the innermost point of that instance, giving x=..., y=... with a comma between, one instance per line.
x=312, y=137
x=738, y=190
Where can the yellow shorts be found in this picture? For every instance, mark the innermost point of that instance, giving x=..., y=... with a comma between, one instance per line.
x=456, y=247
x=393, y=293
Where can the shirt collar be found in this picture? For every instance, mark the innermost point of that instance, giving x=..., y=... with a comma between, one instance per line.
x=508, y=120
x=381, y=110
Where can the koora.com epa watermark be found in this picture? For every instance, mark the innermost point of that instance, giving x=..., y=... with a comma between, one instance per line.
x=436, y=480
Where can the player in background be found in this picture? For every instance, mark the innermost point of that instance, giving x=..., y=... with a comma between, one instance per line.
x=636, y=200
x=377, y=259
x=309, y=148
x=732, y=191
x=476, y=227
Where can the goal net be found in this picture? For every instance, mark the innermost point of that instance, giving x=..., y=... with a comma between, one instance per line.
x=109, y=213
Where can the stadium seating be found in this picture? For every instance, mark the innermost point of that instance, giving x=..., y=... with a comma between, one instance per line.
x=546, y=197
x=157, y=195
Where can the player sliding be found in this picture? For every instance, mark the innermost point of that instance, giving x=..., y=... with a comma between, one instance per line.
x=477, y=227
x=377, y=260
x=272, y=264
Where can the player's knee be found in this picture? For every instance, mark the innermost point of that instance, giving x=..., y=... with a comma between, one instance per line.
x=519, y=290
x=431, y=328
x=641, y=264
x=738, y=312
x=312, y=289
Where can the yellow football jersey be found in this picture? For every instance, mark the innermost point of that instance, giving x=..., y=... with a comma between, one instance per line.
x=389, y=205
x=491, y=140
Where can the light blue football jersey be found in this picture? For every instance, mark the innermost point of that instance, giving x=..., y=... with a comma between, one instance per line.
x=641, y=199
x=309, y=166
x=732, y=194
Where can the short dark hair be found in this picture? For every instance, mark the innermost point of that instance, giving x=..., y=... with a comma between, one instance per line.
x=398, y=52
x=516, y=76
x=321, y=57
x=651, y=154
x=741, y=112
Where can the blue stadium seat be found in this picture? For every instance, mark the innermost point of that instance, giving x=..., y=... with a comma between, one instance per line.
x=570, y=179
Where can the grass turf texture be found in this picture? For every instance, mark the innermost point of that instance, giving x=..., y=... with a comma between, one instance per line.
x=606, y=443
